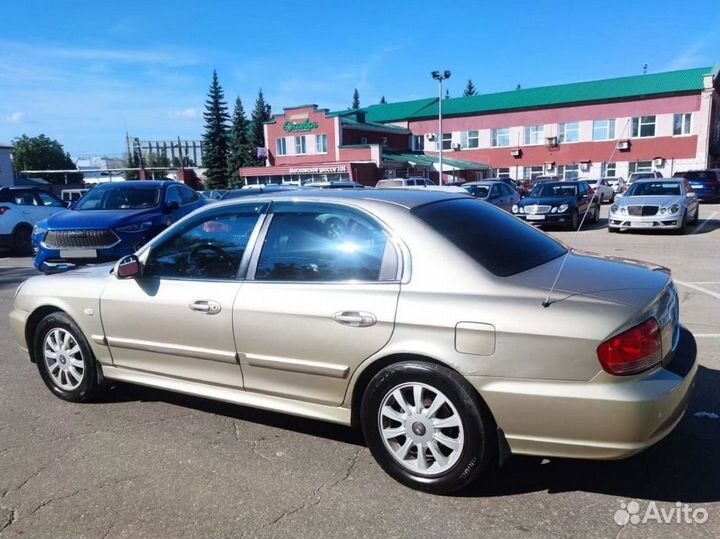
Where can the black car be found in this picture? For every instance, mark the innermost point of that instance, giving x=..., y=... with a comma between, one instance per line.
x=559, y=203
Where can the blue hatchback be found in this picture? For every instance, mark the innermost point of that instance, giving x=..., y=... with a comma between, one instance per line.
x=109, y=222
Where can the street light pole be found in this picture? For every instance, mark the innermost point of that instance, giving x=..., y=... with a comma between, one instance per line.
x=440, y=77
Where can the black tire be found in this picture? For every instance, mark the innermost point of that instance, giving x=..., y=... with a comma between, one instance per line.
x=613, y=230
x=22, y=240
x=478, y=450
x=595, y=215
x=612, y=198
x=88, y=385
x=696, y=219
x=575, y=221
x=683, y=227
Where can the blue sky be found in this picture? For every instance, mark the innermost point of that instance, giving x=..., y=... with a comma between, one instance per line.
x=84, y=72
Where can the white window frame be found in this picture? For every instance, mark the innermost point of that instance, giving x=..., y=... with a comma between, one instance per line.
x=500, y=137
x=321, y=143
x=640, y=166
x=565, y=129
x=605, y=126
x=610, y=167
x=470, y=140
x=445, y=139
x=685, y=124
x=281, y=146
x=417, y=143
x=638, y=122
x=534, y=135
x=300, y=145
x=530, y=173
x=574, y=171
x=502, y=172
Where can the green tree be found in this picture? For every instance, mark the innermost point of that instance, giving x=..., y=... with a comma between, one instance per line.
x=260, y=114
x=157, y=161
x=241, y=152
x=383, y=101
x=44, y=153
x=185, y=162
x=356, y=100
x=469, y=89
x=132, y=161
x=215, y=138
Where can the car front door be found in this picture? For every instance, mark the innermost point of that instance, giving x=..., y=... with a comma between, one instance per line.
x=319, y=299
x=176, y=319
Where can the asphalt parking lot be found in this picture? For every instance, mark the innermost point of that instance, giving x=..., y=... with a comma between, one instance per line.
x=144, y=462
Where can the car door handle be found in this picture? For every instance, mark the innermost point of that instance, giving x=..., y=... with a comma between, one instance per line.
x=356, y=319
x=205, y=306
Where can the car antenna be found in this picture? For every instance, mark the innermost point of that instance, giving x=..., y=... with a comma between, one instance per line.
x=547, y=301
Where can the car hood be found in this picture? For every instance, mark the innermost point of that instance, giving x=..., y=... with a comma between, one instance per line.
x=649, y=201
x=621, y=281
x=547, y=201
x=96, y=219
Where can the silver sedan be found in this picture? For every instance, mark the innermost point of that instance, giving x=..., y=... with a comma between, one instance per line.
x=655, y=204
x=495, y=192
x=450, y=332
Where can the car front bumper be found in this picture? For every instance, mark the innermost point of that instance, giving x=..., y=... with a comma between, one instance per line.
x=608, y=417
x=648, y=222
x=546, y=218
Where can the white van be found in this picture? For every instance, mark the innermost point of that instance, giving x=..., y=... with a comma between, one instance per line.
x=398, y=183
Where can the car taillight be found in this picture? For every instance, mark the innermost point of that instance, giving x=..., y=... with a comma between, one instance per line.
x=4, y=209
x=633, y=351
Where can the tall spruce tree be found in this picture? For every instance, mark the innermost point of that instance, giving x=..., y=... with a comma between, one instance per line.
x=215, y=138
x=240, y=154
x=383, y=101
x=260, y=114
x=356, y=100
x=470, y=89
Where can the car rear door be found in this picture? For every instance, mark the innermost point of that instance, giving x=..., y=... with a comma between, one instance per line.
x=319, y=299
x=176, y=320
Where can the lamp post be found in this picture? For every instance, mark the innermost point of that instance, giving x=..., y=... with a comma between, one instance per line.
x=440, y=77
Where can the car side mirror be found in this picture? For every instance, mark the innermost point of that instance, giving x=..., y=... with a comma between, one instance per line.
x=128, y=267
x=171, y=206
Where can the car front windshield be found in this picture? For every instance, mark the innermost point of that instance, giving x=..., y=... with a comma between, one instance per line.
x=544, y=190
x=120, y=197
x=657, y=189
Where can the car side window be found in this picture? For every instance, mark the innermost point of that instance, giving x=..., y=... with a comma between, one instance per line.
x=173, y=195
x=210, y=247
x=188, y=196
x=49, y=200
x=505, y=189
x=494, y=191
x=25, y=198
x=327, y=243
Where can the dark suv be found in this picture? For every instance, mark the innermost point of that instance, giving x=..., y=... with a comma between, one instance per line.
x=705, y=183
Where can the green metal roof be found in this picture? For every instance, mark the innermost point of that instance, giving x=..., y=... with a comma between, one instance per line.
x=430, y=160
x=635, y=87
x=352, y=122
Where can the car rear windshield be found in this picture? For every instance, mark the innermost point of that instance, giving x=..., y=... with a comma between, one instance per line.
x=120, y=197
x=390, y=183
x=496, y=240
x=698, y=175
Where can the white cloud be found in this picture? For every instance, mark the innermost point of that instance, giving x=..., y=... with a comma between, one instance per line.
x=184, y=114
x=15, y=118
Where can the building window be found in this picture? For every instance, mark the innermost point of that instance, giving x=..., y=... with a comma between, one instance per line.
x=530, y=173
x=320, y=143
x=603, y=129
x=644, y=126
x=610, y=169
x=569, y=132
x=534, y=134
x=281, y=146
x=417, y=143
x=500, y=137
x=447, y=141
x=568, y=172
x=502, y=173
x=681, y=124
x=470, y=139
x=300, y=145
x=641, y=166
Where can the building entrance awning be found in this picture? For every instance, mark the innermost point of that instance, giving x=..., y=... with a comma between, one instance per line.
x=431, y=161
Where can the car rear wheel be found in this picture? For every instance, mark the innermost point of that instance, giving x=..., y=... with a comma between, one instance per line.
x=427, y=427
x=22, y=240
x=64, y=359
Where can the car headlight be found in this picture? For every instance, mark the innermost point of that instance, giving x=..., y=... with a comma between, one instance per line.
x=521, y=209
x=554, y=210
x=37, y=229
x=139, y=227
x=515, y=208
x=562, y=208
x=613, y=208
x=674, y=208
x=663, y=211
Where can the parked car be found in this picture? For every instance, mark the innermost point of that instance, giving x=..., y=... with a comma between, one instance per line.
x=445, y=376
x=656, y=204
x=214, y=194
x=496, y=193
x=562, y=203
x=527, y=185
x=643, y=176
x=603, y=190
x=396, y=183
x=255, y=190
x=617, y=183
x=704, y=183
x=20, y=209
x=109, y=222
x=72, y=195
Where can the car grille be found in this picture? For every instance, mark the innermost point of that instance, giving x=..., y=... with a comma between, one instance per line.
x=535, y=209
x=70, y=239
x=643, y=210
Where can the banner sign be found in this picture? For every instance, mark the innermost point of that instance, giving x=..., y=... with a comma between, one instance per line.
x=335, y=169
x=295, y=127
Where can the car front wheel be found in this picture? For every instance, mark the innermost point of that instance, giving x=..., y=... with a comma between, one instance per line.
x=64, y=358
x=427, y=427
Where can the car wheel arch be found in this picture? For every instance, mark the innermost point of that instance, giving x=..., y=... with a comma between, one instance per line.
x=34, y=320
